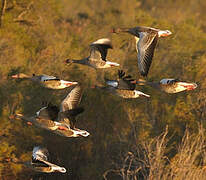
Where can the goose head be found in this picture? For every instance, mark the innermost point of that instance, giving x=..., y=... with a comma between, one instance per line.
x=132, y=31
x=119, y=30
x=20, y=76
x=68, y=61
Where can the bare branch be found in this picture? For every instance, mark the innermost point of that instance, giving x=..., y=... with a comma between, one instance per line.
x=148, y=160
x=109, y=171
x=2, y=10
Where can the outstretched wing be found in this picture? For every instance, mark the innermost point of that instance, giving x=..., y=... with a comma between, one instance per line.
x=125, y=81
x=69, y=106
x=99, y=49
x=145, y=48
x=39, y=154
x=49, y=112
x=72, y=100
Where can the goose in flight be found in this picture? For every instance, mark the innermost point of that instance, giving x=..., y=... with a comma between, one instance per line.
x=60, y=120
x=127, y=94
x=122, y=87
x=98, y=53
x=146, y=40
x=50, y=82
x=169, y=85
x=39, y=162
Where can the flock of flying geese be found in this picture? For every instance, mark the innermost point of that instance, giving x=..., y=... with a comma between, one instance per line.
x=61, y=120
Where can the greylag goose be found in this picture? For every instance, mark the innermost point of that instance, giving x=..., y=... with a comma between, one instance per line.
x=39, y=161
x=146, y=40
x=60, y=121
x=169, y=85
x=46, y=81
x=98, y=54
x=123, y=93
x=122, y=87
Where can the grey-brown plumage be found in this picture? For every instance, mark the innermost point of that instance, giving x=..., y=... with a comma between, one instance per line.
x=127, y=94
x=146, y=40
x=122, y=87
x=50, y=82
x=170, y=86
x=98, y=54
x=69, y=107
x=60, y=120
x=40, y=162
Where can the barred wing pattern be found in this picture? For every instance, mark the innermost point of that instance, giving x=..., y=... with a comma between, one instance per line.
x=145, y=48
x=72, y=100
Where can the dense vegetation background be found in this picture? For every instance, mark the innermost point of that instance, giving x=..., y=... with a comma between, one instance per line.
x=37, y=36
